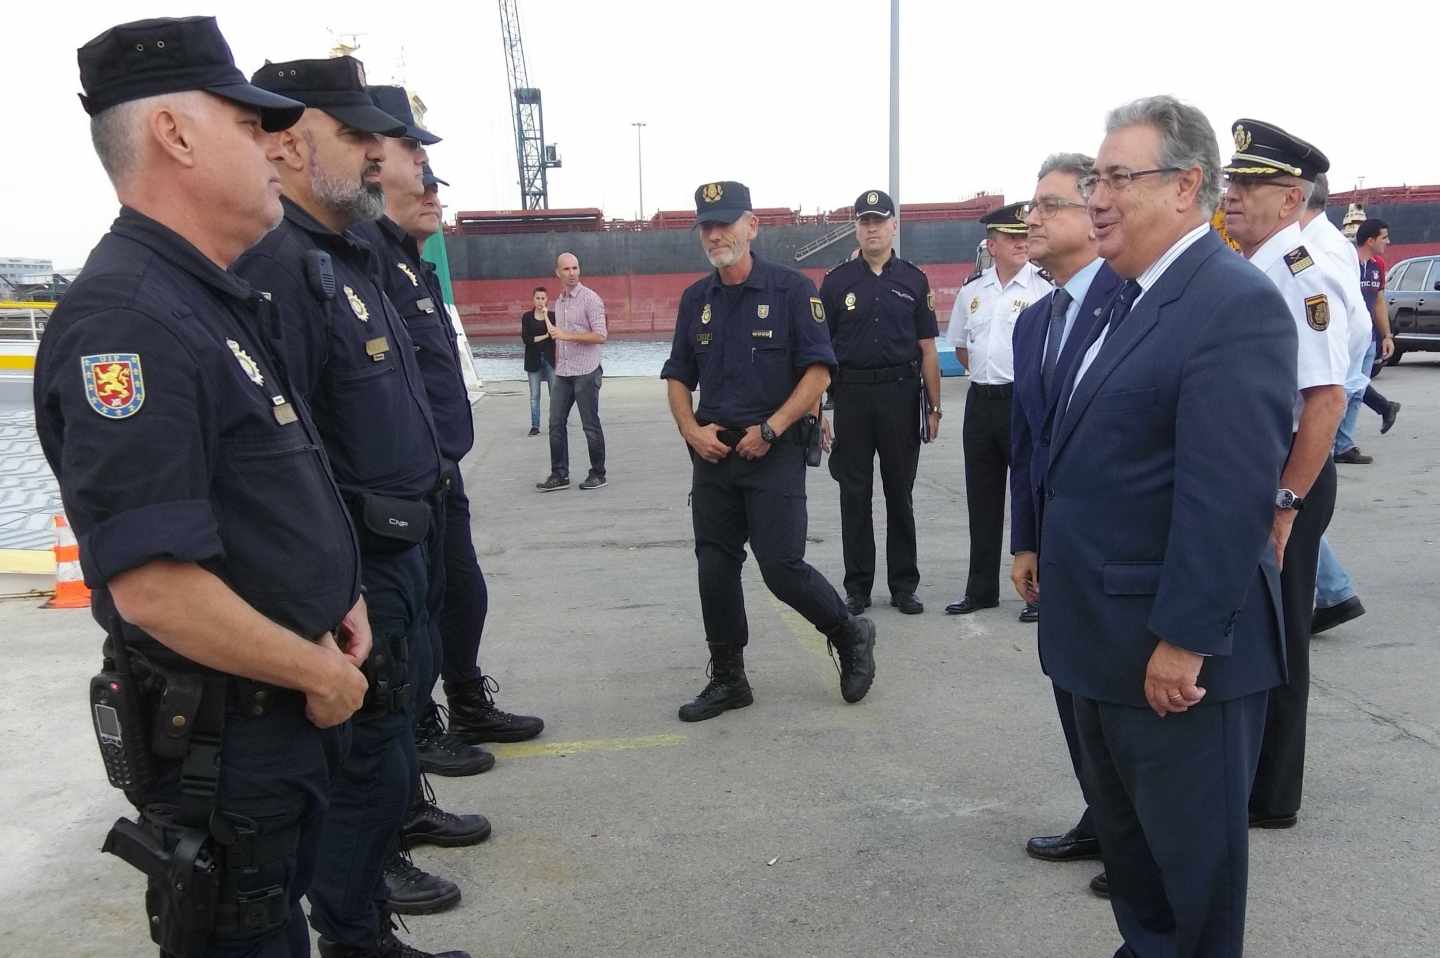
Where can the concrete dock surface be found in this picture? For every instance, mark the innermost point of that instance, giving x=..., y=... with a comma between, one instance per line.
x=800, y=826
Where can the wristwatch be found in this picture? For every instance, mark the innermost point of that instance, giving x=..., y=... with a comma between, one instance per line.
x=936, y=410
x=1285, y=499
x=767, y=433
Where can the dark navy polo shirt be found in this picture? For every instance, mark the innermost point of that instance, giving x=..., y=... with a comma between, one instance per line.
x=878, y=321
x=746, y=346
x=351, y=356
x=175, y=434
x=413, y=287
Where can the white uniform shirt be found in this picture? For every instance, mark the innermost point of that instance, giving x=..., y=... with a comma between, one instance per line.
x=1317, y=304
x=982, y=320
x=1341, y=257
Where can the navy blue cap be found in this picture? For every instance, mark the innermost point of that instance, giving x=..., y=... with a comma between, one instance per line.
x=1264, y=150
x=396, y=102
x=429, y=179
x=166, y=55
x=1007, y=219
x=722, y=202
x=335, y=85
x=874, y=203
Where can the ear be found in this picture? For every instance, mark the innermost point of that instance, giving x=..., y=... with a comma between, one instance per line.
x=292, y=151
x=1188, y=183
x=175, y=134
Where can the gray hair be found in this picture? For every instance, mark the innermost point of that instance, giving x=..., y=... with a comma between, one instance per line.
x=118, y=131
x=1319, y=194
x=1187, y=139
x=1077, y=164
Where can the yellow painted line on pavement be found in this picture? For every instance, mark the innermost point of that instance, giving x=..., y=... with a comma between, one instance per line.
x=558, y=749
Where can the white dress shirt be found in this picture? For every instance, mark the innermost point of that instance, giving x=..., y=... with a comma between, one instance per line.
x=982, y=320
x=1342, y=259
x=1078, y=287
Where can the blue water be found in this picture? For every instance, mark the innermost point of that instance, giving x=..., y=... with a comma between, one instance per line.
x=498, y=359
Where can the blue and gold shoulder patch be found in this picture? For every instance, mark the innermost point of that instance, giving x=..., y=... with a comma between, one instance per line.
x=114, y=384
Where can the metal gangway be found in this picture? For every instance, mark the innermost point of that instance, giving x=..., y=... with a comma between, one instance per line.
x=829, y=239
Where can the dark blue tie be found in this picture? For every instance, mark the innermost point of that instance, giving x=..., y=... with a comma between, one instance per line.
x=1120, y=305
x=1058, y=305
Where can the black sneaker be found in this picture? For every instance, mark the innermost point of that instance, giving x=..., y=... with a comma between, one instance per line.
x=474, y=717
x=593, y=481
x=414, y=891
x=429, y=824
x=534, y=430
x=552, y=483
x=441, y=753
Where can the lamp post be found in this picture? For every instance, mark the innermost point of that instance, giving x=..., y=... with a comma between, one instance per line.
x=640, y=166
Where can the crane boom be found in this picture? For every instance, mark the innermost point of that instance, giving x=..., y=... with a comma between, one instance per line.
x=533, y=158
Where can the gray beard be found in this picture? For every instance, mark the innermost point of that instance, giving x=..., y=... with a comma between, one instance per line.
x=357, y=202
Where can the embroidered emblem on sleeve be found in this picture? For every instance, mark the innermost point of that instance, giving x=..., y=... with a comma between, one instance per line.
x=114, y=384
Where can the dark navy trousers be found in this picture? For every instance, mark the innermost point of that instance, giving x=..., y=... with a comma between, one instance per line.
x=377, y=778
x=466, y=599
x=736, y=500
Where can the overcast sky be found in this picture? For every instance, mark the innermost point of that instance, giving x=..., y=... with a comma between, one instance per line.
x=789, y=96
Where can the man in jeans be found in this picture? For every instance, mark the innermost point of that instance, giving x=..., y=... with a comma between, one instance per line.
x=539, y=352
x=578, y=331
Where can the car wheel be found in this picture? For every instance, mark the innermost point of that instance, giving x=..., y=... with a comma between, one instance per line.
x=1395, y=357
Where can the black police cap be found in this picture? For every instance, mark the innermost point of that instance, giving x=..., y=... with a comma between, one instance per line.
x=722, y=202
x=429, y=179
x=336, y=86
x=1263, y=149
x=874, y=203
x=166, y=55
x=396, y=102
x=1007, y=219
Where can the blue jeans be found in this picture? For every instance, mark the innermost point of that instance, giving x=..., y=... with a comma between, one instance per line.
x=547, y=373
x=1333, y=584
x=1345, y=434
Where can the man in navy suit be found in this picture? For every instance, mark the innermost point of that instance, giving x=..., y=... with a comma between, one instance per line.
x=1050, y=337
x=1161, y=598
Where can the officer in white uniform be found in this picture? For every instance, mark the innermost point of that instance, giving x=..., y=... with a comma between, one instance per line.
x=982, y=324
x=1271, y=176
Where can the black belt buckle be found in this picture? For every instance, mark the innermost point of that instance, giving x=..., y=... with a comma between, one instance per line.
x=730, y=437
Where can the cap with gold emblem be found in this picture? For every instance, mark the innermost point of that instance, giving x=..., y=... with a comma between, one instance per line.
x=874, y=203
x=1263, y=149
x=1007, y=219
x=724, y=201
x=335, y=85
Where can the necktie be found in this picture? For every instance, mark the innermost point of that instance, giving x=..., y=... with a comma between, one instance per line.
x=1059, y=303
x=1120, y=307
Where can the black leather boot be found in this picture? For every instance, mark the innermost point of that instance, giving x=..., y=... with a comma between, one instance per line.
x=854, y=643
x=728, y=688
x=429, y=824
x=441, y=753
x=414, y=891
x=385, y=946
x=474, y=717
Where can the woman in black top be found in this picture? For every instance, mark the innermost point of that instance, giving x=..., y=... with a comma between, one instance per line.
x=539, y=353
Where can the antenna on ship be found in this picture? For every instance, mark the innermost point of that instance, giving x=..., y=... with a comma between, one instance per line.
x=346, y=42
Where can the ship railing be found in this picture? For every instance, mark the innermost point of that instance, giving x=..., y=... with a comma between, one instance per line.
x=820, y=242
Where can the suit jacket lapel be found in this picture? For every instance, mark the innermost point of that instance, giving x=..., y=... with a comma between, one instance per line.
x=1137, y=325
x=1092, y=310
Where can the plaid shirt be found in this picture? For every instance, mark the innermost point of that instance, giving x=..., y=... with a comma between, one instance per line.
x=578, y=311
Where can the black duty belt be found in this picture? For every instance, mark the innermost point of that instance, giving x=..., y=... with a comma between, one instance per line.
x=885, y=374
x=1000, y=391
x=731, y=435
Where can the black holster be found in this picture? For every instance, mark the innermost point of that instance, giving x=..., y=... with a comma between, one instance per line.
x=387, y=669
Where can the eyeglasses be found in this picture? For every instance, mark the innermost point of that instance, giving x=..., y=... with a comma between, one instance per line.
x=1245, y=183
x=1117, y=180
x=1048, y=206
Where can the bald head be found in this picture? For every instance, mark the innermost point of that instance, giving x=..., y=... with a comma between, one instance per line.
x=567, y=267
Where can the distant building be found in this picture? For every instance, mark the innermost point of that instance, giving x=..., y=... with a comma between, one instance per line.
x=19, y=270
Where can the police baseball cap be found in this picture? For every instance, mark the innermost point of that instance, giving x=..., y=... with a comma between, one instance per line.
x=1007, y=219
x=1264, y=150
x=166, y=55
x=722, y=202
x=429, y=179
x=874, y=203
x=335, y=85
x=396, y=102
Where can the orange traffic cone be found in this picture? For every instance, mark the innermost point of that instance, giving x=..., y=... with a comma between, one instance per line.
x=70, y=589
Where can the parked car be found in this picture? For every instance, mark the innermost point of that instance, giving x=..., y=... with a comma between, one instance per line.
x=1412, y=297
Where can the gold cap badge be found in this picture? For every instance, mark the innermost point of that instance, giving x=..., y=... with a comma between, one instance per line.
x=1243, y=139
x=712, y=192
x=872, y=197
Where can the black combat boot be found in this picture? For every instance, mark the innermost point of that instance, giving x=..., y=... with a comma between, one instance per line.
x=728, y=687
x=428, y=824
x=442, y=753
x=385, y=946
x=414, y=891
x=475, y=719
x=854, y=643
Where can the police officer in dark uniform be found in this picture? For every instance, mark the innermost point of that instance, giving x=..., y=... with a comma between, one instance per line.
x=350, y=355
x=413, y=215
x=881, y=315
x=752, y=336
x=222, y=559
